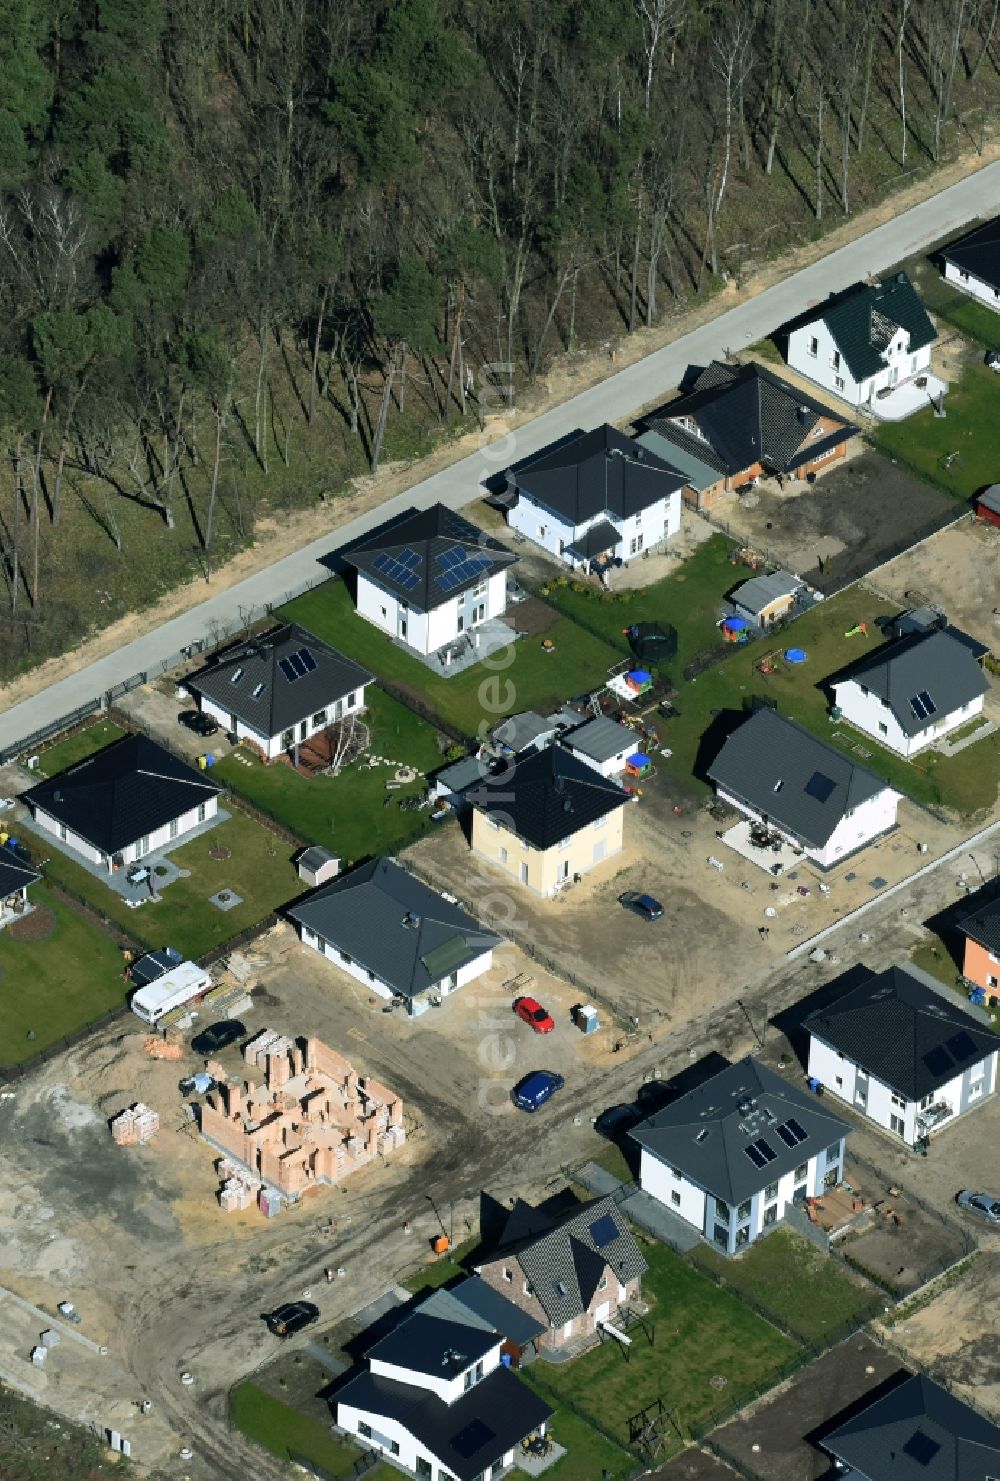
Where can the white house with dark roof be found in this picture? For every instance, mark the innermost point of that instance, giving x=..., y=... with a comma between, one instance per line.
x=730, y=1156
x=911, y=693
x=394, y=935
x=905, y=1052
x=595, y=497
x=430, y=579
x=972, y=263
x=435, y=1398
x=570, y=1266
x=917, y=1431
x=280, y=689
x=870, y=338
x=798, y=792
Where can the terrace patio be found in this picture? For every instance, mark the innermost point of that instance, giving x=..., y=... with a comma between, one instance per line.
x=465, y=651
x=907, y=398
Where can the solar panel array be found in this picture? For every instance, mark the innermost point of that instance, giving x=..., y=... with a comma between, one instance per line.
x=791, y=1132
x=760, y=1152
x=296, y=664
x=456, y=567
x=923, y=706
x=400, y=568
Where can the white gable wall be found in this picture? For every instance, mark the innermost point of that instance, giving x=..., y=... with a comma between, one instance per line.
x=272, y=745
x=428, y=631
x=368, y=979
x=447, y=1388
x=854, y=830
x=657, y=522
x=867, y=712
x=541, y=525
x=969, y=283
x=901, y=364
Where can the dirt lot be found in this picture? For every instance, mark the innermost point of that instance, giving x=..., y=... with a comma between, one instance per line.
x=959, y=569
x=854, y=518
x=955, y=1335
x=904, y=1254
x=694, y=1465
x=769, y=1439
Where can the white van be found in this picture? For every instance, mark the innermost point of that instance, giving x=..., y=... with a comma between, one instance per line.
x=170, y=991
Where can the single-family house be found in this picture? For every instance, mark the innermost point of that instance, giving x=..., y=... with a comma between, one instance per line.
x=126, y=801
x=800, y=789
x=435, y=1397
x=912, y=692
x=546, y=817
x=905, y=1052
x=981, y=957
x=595, y=497
x=16, y=878
x=764, y=600
x=570, y=1266
x=917, y=1431
x=280, y=689
x=473, y=1303
x=602, y=743
x=394, y=934
x=972, y=262
x=732, y=1154
x=742, y=422
x=430, y=578
x=870, y=338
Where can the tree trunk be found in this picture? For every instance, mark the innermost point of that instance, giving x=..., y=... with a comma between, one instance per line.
x=901, y=36
x=213, y=492
x=314, y=375
x=820, y=110
x=15, y=524
x=383, y=414
x=634, y=293
x=867, y=85
x=537, y=357
x=36, y=482
x=455, y=345
x=988, y=42
x=263, y=335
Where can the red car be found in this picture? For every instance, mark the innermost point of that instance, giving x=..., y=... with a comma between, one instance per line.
x=531, y=1010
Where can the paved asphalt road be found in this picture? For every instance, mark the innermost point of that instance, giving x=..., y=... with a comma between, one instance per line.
x=611, y=400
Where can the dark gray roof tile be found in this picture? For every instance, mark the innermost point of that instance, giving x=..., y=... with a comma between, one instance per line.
x=429, y=556
x=978, y=252
x=934, y=664
x=917, y=1432
x=546, y=796
x=595, y=473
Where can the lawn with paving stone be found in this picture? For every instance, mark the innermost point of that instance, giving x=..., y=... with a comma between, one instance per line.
x=58, y=983
x=257, y=867
x=523, y=677
x=959, y=452
x=701, y=1333
x=796, y=1283
x=590, y=1456
x=353, y=814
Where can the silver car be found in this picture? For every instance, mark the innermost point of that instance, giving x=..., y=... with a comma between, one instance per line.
x=983, y=1204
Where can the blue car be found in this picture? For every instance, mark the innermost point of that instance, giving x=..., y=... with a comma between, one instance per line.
x=535, y=1089
x=643, y=905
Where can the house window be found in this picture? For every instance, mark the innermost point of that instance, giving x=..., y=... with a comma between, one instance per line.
x=813, y=346
x=896, y=1125
x=771, y=1191
x=202, y=811
x=602, y=1284
x=925, y=1101
x=347, y=960
x=319, y=719
x=321, y=945
x=541, y=532
x=883, y=728
x=174, y=828
x=838, y=382
x=721, y=1235
x=770, y=1215
x=975, y=1089
x=742, y=1235
x=423, y=1468
x=861, y=1099
x=801, y=1172
x=364, y=1429
x=833, y=1154
x=675, y=1172
x=635, y=544
x=743, y=1212
x=839, y=1081
x=503, y=855
x=469, y=1379
x=898, y=1101
x=236, y=675
x=675, y=1198
x=913, y=364
x=963, y=275
x=835, y=360
x=62, y=831
x=722, y=1210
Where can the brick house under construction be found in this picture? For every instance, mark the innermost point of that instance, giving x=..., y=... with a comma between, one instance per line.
x=314, y=1120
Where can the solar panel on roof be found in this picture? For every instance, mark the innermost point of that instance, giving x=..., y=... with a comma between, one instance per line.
x=295, y=662
x=409, y=558
x=306, y=659
x=938, y=1061
x=786, y=1135
x=819, y=786
x=603, y=1231
x=755, y=1156
x=287, y=670
x=927, y=702
x=382, y=562
x=796, y=1129
x=765, y=1149
x=921, y=1448
x=451, y=557
x=470, y=1440
x=962, y=1045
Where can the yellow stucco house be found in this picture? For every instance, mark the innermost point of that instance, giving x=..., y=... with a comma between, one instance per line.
x=546, y=818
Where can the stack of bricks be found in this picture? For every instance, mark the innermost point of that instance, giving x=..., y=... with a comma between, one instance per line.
x=136, y=1125
x=235, y=1195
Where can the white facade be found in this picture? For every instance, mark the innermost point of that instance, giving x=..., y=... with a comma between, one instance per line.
x=449, y=1388
x=276, y=745
x=871, y=1097
x=613, y=766
x=428, y=631
x=867, y=712
x=367, y=977
x=729, y=1228
x=969, y=283
x=160, y=838
x=813, y=352
x=659, y=521
x=855, y=829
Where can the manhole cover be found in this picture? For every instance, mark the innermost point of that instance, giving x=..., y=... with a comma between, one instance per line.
x=220, y=853
x=225, y=899
x=878, y=883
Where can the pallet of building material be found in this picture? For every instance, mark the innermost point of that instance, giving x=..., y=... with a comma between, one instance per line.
x=235, y=1195
x=240, y=966
x=227, y=1001
x=135, y=1126
x=162, y=1049
x=255, y=1052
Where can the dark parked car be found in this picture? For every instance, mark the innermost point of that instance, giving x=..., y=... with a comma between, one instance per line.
x=535, y=1089
x=290, y=1318
x=218, y=1036
x=643, y=905
x=618, y=1121
x=983, y=1204
x=992, y=359
x=199, y=722
x=653, y=1095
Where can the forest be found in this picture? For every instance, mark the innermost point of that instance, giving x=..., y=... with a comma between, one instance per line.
x=250, y=248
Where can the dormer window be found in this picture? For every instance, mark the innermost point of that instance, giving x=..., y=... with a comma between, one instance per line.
x=508, y=1274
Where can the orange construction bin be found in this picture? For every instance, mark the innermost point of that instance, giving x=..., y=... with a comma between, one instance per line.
x=440, y=1244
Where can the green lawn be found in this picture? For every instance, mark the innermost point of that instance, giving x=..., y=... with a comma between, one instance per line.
x=944, y=301
x=935, y=959
x=53, y=987
x=533, y=679
x=589, y=1454
x=701, y=1332
x=286, y=1432
x=794, y=1281
x=971, y=428
x=441, y=1270
x=75, y=747
x=348, y=813
x=259, y=868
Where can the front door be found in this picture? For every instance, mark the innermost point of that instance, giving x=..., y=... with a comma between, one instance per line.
x=602, y=1313
x=564, y=869
x=233, y=722
x=479, y=612
x=287, y=737
x=303, y=730
x=401, y=623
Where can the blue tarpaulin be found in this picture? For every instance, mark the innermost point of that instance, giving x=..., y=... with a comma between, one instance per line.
x=736, y=624
x=640, y=676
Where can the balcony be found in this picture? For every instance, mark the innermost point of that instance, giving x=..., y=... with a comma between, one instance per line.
x=933, y=1117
